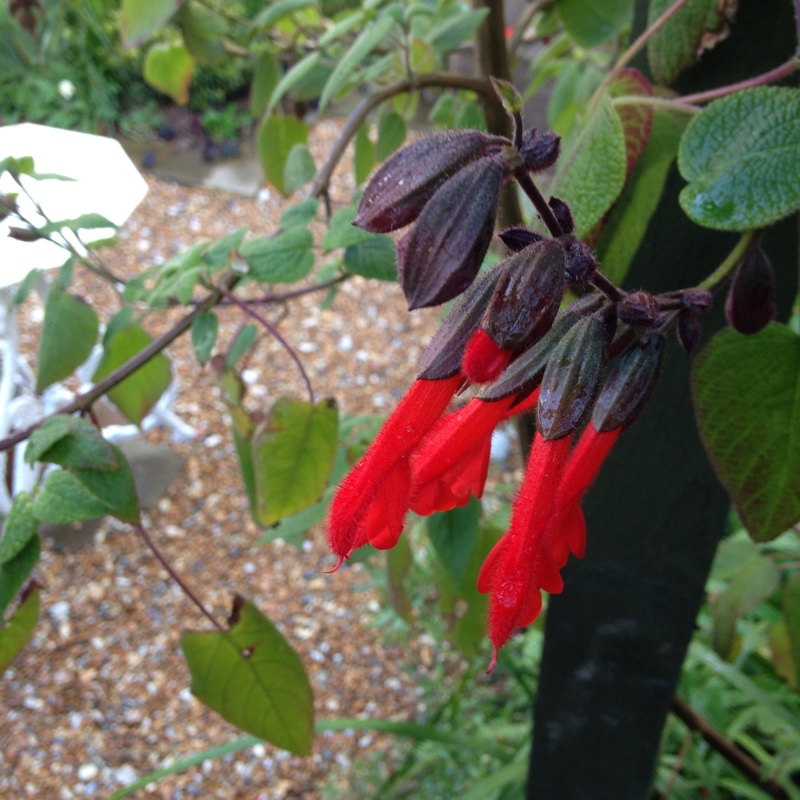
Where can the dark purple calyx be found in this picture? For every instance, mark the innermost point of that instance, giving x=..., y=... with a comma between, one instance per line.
x=751, y=299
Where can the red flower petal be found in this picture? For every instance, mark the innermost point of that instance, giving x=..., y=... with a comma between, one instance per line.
x=484, y=360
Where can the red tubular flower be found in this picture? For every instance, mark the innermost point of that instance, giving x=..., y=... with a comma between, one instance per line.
x=521, y=564
x=484, y=360
x=417, y=412
x=452, y=461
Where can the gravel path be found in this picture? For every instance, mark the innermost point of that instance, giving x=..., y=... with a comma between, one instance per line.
x=99, y=696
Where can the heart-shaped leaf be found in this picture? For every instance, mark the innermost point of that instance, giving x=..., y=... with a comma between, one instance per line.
x=293, y=452
x=741, y=156
x=747, y=398
x=253, y=677
x=168, y=67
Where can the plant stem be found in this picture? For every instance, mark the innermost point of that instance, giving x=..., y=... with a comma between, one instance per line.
x=148, y=540
x=677, y=104
x=539, y=203
x=719, y=275
x=604, y=285
x=773, y=75
x=730, y=751
x=273, y=331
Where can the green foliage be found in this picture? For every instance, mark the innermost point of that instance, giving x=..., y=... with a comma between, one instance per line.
x=277, y=136
x=282, y=259
x=593, y=22
x=168, y=67
x=375, y=257
x=741, y=155
x=750, y=384
x=253, y=677
x=19, y=628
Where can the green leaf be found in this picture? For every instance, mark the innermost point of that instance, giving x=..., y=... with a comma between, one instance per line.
x=168, y=67
x=204, y=335
x=243, y=342
x=203, y=32
x=300, y=213
x=293, y=528
x=677, y=46
x=293, y=452
x=592, y=22
x=71, y=442
x=373, y=34
x=628, y=221
x=299, y=168
x=140, y=19
x=341, y=231
x=274, y=11
x=364, y=154
x=16, y=632
x=791, y=613
x=294, y=77
x=253, y=677
x=63, y=499
x=391, y=135
x=15, y=572
x=398, y=564
x=456, y=30
x=90, y=221
x=454, y=535
x=117, y=489
x=266, y=74
x=139, y=392
x=69, y=333
x=747, y=399
x=755, y=582
x=19, y=528
x=284, y=259
x=374, y=258
x=277, y=135
x=741, y=156
x=591, y=172
x=217, y=253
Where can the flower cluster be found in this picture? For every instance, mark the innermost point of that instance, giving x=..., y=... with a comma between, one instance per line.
x=587, y=370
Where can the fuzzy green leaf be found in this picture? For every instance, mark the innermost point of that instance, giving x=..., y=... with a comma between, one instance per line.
x=286, y=258
x=293, y=452
x=266, y=74
x=253, y=677
x=374, y=258
x=300, y=213
x=747, y=399
x=15, y=572
x=591, y=172
x=455, y=30
x=19, y=528
x=71, y=442
x=69, y=333
x=391, y=135
x=204, y=335
x=140, y=19
x=592, y=22
x=299, y=168
x=741, y=156
x=454, y=535
x=203, y=32
x=364, y=154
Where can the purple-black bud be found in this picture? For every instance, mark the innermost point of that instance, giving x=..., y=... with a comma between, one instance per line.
x=629, y=384
x=688, y=331
x=572, y=378
x=751, y=300
x=581, y=262
x=519, y=237
x=639, y=310
x=24, y=234
x=562, y=213
x=443, y=252
x=539, y=151
x=406, y=181
x=527, y=296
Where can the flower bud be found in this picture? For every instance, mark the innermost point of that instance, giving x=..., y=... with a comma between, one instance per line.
x=688, y=331
x=444, y=251
x=8, y=205
x=444, y=354
x=24, y=234
x=525, y=373
x=519, y=237
x=539, y=151
x=563, y=214
x=629, y=384
x=527, y=296
x=406, y=181
x=571, y=379
x=751, y=300
x=581, y=262
x=639, y=310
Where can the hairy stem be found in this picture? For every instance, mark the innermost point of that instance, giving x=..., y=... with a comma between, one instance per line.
x=273, y=331
x=539, y=203
x=148, y=540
